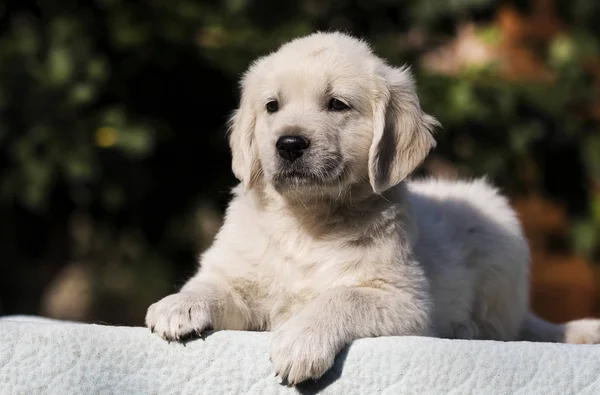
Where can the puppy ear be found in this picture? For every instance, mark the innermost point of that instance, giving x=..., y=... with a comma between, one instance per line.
x=402, y=135
x=245, y=163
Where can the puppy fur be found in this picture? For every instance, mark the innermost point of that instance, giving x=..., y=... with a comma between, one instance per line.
x=338, y=245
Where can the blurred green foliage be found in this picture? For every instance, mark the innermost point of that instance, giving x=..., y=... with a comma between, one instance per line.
x=111, y=112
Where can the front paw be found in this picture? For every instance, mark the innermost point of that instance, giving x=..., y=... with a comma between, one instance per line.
x=179, y=316
x=299, y=353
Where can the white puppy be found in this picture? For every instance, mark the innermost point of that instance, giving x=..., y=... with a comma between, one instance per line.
x=325, y=242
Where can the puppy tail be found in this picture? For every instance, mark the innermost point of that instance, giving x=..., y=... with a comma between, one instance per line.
x=536, y=329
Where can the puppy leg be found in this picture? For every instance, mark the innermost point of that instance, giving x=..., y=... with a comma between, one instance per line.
x=306, y=345
x=203, y=303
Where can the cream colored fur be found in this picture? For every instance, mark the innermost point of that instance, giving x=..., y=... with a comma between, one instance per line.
x=347, y=248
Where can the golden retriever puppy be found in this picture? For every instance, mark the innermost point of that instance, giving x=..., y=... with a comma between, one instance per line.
x=325, y=241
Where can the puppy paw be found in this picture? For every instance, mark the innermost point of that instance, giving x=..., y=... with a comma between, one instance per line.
x=299, y=353
x=586, y=331
x=179, y=316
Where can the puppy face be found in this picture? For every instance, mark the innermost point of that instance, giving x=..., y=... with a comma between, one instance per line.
x=322, y=114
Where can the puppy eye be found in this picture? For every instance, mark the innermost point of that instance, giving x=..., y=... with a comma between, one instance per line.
x=272, y=106
x=337, y=105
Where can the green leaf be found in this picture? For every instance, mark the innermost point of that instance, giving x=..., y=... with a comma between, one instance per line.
x=97, y=69
x=60, y=66
x=82, y=93
x=584, y=235
x=135, y=140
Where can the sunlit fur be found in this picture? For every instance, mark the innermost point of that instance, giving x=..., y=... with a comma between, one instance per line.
x=338, y=245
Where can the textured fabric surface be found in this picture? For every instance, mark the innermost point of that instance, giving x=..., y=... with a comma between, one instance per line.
x=52, y=357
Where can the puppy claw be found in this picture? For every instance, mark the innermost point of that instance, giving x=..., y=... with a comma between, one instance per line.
x=178, y=316
x=298, y=357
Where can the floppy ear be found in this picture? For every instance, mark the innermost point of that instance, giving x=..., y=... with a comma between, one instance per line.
x=245, y=163
x=402, y=135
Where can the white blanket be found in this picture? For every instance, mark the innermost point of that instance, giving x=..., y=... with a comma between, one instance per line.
x=53, y=357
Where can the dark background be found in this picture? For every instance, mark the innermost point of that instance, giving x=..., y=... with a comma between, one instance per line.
x=115, y=170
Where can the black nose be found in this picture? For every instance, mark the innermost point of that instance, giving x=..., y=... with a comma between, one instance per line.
x=291, y=147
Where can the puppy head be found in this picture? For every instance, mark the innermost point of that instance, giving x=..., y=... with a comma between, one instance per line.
x=322, y=114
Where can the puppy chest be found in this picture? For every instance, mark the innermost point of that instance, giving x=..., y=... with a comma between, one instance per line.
x=312, y=269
